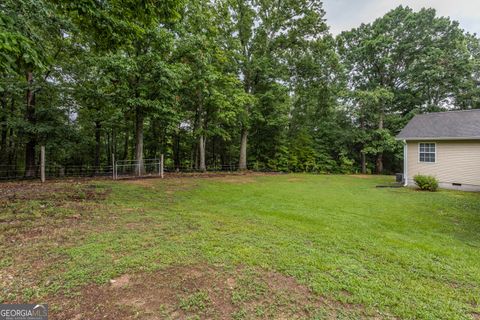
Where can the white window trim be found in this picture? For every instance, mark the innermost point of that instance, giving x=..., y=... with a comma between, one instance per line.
x=426, y=162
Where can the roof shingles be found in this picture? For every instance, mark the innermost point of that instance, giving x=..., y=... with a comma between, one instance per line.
x=443, y=125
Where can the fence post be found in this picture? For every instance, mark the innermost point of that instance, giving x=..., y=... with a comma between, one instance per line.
x=161, y=166
x=42, y=164
x=113, y=167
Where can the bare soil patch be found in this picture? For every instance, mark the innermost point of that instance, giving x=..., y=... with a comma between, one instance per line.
x=197, y=292
x=36, y=218
x=58, y=192
x=34, y=206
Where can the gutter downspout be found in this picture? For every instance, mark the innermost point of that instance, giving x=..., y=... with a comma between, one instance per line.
x=405, y=163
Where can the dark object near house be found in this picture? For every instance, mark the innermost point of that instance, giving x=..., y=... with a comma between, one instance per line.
x=399, y=177
x=393, y=185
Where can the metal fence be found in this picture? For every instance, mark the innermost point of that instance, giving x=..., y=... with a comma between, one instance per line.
x=13, y=172
x=209, y=168
x=135, y=168
x=118, y=169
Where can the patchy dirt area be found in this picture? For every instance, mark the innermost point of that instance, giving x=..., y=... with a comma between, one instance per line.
x=198, y=292
x=32, y=209
x=35, y=219
x=55, y=190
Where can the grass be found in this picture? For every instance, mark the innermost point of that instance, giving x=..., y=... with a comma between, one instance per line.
x=367, y=251
x=198, y=301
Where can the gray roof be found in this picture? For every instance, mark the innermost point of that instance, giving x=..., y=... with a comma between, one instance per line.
x=448, y=125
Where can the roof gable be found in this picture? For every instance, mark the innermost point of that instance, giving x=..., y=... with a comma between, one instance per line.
x=443, y=125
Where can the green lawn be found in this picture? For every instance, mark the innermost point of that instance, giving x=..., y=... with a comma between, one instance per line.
x=355, y=251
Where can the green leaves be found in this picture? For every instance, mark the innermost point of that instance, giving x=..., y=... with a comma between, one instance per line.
x=17, y=49
x=381, y=141
x=119, y=22
x=224, y=71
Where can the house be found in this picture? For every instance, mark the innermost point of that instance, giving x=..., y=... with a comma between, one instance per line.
x=445, y=145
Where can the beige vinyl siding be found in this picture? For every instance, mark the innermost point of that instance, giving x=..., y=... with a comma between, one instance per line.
x=456, y=161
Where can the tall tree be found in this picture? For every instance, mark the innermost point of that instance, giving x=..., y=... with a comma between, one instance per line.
x=261, y=34
x=33, y=31
x=131, y=32
x=211, y=92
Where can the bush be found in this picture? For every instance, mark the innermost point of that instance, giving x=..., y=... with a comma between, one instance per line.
x=347, y=165
x=427, y=183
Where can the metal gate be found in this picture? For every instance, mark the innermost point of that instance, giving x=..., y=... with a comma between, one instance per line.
x=138, y=168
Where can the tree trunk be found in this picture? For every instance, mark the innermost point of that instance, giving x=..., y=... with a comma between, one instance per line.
x=201, y=145
x=364, y=162
x=111, y=145
x=30, y=117
x=197, y=157
x=11, y=141
x=214, y=157
x=30, y=170
x=176, y=152
x=140, y=167
x=98, y=145
x=242, y=164
x=125, y=145
x=379, y=163
x=192, y=158
x=114, y=141
x=223, y=156
x=362, y=154
x=126, y=142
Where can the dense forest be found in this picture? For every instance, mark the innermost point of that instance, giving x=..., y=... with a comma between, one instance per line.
x=212, y=84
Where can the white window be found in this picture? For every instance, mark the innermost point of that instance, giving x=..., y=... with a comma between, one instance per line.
x=427, y=152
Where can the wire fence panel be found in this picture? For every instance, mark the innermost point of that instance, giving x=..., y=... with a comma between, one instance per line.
x=189, y=169
x=13, y=172
x=120, y=169
x=134, y=168
x=55, y=171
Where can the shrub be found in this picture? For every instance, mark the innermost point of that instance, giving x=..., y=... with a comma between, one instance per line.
x=347, y=165
x=427, y=183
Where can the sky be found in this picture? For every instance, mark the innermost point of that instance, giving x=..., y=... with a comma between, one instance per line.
x=347, y=14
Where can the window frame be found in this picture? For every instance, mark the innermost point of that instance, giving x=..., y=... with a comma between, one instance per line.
x=434, y=153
